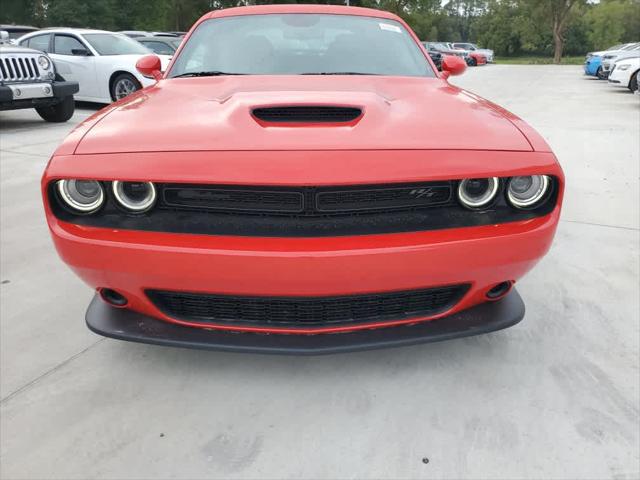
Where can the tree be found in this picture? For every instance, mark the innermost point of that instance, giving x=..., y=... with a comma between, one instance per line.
x=557, y=14
x=612, y=21
x=24, y=12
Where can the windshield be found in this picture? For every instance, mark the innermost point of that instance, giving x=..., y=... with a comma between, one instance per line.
x=286, y=44
x=114, y=44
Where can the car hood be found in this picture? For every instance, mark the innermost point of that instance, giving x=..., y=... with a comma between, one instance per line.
x=617, y=53
x=14, y=49
x=627, y=56
x=215, y=113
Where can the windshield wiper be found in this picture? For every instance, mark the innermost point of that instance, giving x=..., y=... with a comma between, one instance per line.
x=338, y=73
x=211, y=73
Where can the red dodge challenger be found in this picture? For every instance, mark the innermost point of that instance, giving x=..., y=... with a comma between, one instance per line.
x=295, y=183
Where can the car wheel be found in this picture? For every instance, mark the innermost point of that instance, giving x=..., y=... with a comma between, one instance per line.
x=599, y=73
x=60, y=112
x=123, y=85
x=633, y=83
x=474, y=62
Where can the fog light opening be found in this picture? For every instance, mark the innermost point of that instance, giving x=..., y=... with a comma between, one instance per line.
x=113, y=298
x=500, y=290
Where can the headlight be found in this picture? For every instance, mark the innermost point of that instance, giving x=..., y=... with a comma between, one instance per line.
x=624, y=66
x=84, y=196
x=135, y=196
x=44, y=62
x=527, y=192
x=478, y=192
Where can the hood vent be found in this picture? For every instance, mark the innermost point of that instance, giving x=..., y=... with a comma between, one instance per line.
x=307, y=114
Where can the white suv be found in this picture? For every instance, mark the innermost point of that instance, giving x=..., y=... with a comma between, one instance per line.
x=28, y=80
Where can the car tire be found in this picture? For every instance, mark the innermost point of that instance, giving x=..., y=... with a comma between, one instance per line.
x=633, y=83
x=123, y=85
x=599, y=73
x=474, y=62
x=60, y=112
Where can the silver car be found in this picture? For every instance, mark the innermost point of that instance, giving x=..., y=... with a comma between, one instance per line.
x=472, y=47
x=609, y=58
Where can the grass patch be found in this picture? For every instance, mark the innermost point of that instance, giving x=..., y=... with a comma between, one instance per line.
x=538, y=60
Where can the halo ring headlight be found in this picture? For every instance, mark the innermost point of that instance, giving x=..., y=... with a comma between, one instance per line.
x=135, y=196
x=478, y=192
x=527, y=191
x=83, y=196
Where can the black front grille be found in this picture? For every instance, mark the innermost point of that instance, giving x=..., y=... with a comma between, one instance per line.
x=307, y=114
x=306, y=311
x=230, y=199
x=307, y=201
x=383, y=198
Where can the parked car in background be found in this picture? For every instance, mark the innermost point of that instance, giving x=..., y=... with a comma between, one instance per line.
x=332, y=191
x=435, y=55
x=472, y=47
x=593, y=66
x=618, y=46
x=141, y=33
x=16, y=31
x=103, y=63
x=473, y=59
x=476, y=58
x=28, y=80
x=161, y=45
x=610, y=58
x=624, y=73
x=135, y=33
x=444, y=49
x=593, y=60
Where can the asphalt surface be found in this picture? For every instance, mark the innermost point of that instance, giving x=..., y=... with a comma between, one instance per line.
x=556, y=396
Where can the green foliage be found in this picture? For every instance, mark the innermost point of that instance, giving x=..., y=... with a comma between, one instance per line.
x=536, y=60
x=614, y=21
x=509, y=27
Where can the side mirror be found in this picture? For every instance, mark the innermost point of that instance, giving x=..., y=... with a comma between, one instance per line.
x=80, y=52
x=4, y=36
x=452, y=65
x=149, y=66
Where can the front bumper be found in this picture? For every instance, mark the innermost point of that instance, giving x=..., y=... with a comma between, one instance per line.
x=127, y=325
x=28, y=95
x=132, y=262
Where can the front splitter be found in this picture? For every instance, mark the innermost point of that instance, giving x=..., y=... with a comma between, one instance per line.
x=123, y=324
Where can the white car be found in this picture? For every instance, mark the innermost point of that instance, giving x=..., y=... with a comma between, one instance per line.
x=103, y=63
x=624, y=73
x=612, y=57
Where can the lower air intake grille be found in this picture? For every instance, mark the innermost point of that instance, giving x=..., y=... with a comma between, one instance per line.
x=306, y=311
x=307, y=114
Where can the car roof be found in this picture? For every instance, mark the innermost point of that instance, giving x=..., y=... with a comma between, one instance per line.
x=18, y=27
x=75, y=30
x=159, y=39
x=300, y=8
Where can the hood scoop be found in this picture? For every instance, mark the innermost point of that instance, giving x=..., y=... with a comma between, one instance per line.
x=290, y=115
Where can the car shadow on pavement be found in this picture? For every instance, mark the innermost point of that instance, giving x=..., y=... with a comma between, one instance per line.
x=90, y=106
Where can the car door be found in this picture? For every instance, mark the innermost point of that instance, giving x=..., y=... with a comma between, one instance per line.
x=75, y=61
